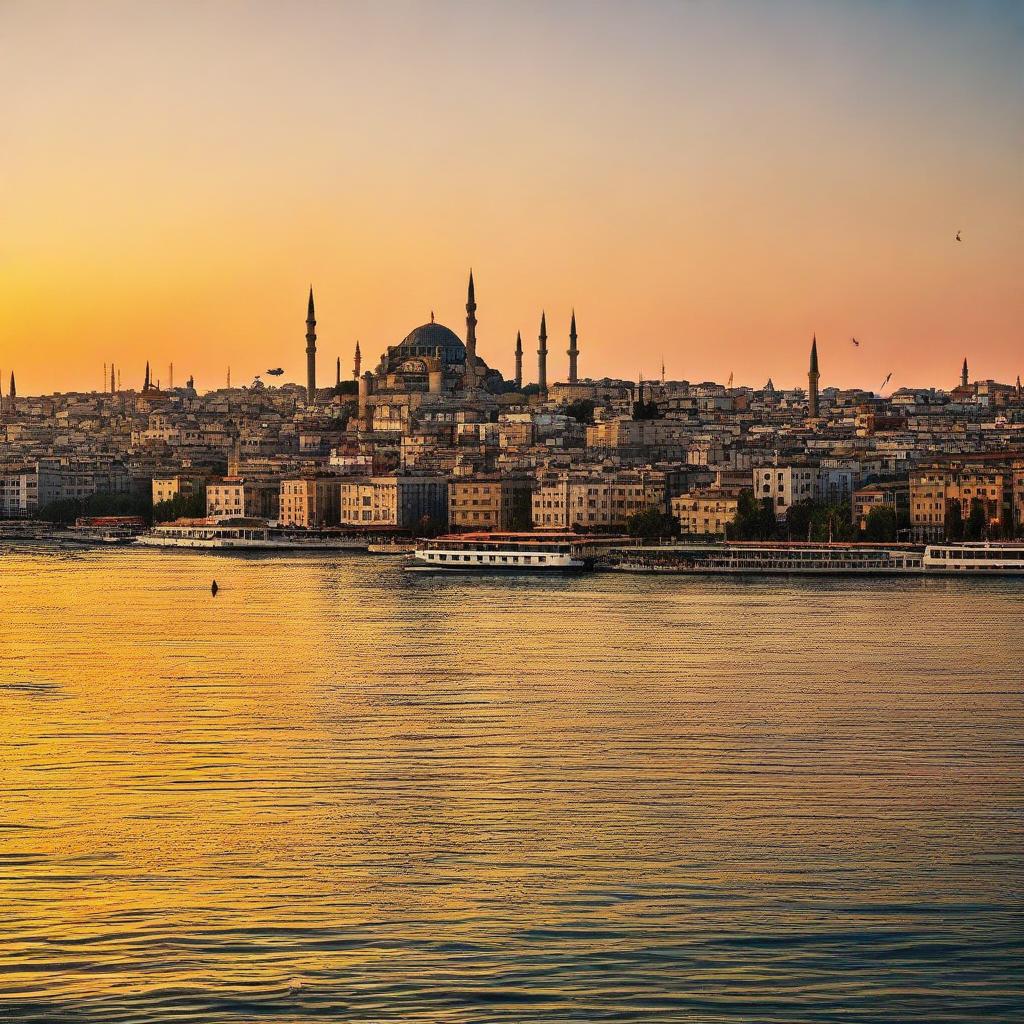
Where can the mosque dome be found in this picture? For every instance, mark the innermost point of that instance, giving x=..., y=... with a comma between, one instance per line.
x=427, y=339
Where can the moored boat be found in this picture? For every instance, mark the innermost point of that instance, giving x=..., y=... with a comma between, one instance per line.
x=246, y=535
x=507, y=552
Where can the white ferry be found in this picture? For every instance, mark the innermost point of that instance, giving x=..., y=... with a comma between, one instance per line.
x=246, y=535
x=1001, y=558
x=794, y=558
x=769, y=558
x=507, y=552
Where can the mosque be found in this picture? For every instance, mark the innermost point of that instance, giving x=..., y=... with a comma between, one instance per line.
x=430, y=371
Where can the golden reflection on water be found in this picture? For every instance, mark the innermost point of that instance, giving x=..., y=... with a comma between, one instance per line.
x=337, y=791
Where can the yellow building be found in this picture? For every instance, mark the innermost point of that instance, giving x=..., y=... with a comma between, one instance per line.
x=936, y=487
x=490, y=503
x=404, y=501
x=596, y=501
x=704, y=513
x=310, y=501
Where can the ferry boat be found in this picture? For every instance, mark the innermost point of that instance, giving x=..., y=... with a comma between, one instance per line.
x=507, y=552
x=101, y=530
x=769, y=558
x=988, y=558
x=246, y=535
x=792, y=558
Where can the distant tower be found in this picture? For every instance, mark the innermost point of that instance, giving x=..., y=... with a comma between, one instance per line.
x=662, y=369
x=145, y=386
x=113, y=388
x=170, y=377
x=310, y=351
x=357, y=363
x=963, y=375
x=812, y=381
x=104, y=378
x=519, y=361
x=471, y=333
x=574, y=351
x=1018, y=387
x=118, y=380
x=337, y=374
x=229, y=377
x=542, y=355
x=13, y=394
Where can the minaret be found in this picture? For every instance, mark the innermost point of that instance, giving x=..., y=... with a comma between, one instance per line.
x=542, y=355
x=145, y=386
x=963, y=375
x=104, y=377
x=112, y=386
x=574, y=351
x=13, y=391
x=357, y=363
x=170, y=377
x=471, y=334
x=519, y=361
x=337, y=375
x=812, y=381
x=310, y=351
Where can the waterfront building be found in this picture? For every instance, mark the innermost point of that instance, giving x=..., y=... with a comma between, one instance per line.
x=239, y=496
x=490, y=503
x=893, y=495
x=404, y=501
x=785, y=485
x=704, y=513
x=596, y=501
x=310, y=501
x=943, y=491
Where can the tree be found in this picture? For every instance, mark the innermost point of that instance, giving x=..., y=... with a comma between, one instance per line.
x=954, y=521
x=976, y=526
x=755, y=520
x=192, y=506
x=582, y=410
x=652, y=524
x=880, y=524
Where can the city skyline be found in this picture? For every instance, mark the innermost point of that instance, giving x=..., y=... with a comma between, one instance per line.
x=707, y=185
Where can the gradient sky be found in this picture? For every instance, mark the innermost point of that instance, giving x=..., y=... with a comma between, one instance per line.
x=708, y=181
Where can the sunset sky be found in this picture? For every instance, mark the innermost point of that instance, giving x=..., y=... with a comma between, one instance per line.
x=708, y=182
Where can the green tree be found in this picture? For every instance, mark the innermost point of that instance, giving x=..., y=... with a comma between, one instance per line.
x=881, y=524
x=954, y=521
x=755, y=520
x=582, y=410
x=192, y=506
x=652, y=524
x=976, y=527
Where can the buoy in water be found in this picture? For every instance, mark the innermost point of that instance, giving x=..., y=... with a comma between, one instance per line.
x=214, y=588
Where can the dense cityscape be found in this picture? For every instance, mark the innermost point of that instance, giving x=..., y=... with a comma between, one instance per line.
x=431, y=438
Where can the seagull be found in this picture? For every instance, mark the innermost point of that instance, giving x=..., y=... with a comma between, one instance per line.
x=275, y=373
x=886, y=381
x=958, y=238
x=856, y=343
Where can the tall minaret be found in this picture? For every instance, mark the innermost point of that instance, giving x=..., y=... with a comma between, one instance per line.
x=337, y=375
x=519, y=361
x=542, y=355
x=574, y=352
x=963, y=375
x=145, y=386
x=113, y=388
x=471, y=334
x=13, y=391
x=812, y=381
x=357, y=363
x=310, y=351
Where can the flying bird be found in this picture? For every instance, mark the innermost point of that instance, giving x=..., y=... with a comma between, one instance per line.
x=275, y=373
x=886, y=381
x=958, y=238
x=856, y=343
